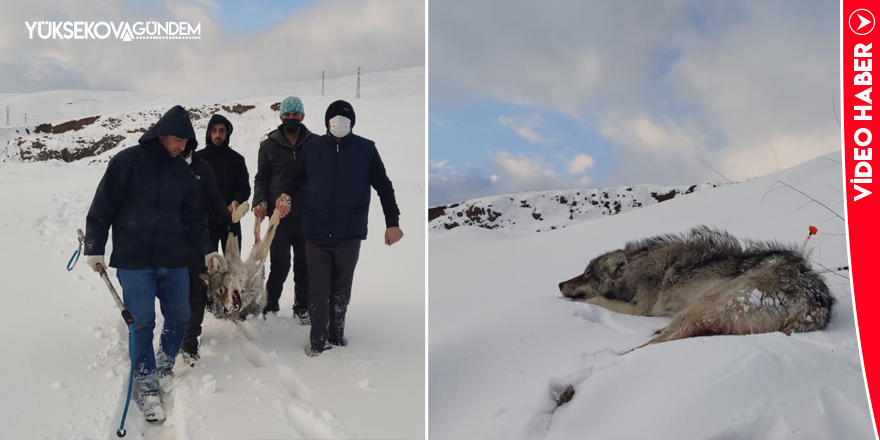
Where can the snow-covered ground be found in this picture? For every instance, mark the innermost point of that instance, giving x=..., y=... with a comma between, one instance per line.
x=67, y=369
x=503, y=344
x=550, y=210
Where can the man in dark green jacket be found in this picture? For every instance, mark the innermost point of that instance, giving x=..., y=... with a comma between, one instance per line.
x=279, y=164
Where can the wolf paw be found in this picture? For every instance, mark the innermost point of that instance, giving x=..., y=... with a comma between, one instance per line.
x=238, y=211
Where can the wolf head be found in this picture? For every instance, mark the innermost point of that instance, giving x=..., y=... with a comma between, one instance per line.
x=598, y=279
x=225, y=281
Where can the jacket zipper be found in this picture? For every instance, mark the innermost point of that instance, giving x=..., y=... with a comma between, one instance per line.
x=333, y=199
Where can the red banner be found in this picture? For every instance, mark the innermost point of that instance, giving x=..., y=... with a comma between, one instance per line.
x=858, y=38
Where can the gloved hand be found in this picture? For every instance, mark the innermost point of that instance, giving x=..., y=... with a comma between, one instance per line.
x=94, y=260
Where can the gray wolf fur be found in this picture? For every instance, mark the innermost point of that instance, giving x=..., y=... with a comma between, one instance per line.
x=237, y=287
x=709, y=284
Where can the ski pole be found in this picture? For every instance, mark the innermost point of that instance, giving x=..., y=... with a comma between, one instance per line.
x=125, y=313
x=129, y=321
x=75, y=257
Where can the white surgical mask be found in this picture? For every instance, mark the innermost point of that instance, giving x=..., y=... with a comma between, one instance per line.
x=189, y=159
x=340, y=126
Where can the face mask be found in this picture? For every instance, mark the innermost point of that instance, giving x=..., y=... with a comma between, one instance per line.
x=189, y=159
x=291, y=125
x=340, y=126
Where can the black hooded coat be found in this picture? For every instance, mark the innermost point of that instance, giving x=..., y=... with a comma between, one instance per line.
x=150, y=200
x=228, y=165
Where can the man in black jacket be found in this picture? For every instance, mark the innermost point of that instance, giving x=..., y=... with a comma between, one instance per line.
x=340, y=167
x=211, y=205
x=231, y=173
x=148, y=195
x=279, y=163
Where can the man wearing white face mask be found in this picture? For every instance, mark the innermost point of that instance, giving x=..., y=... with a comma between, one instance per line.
x=340, y=167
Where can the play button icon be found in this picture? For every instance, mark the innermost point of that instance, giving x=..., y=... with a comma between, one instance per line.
x=861, y=22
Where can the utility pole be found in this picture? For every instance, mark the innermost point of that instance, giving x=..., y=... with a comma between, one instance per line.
x=25, y=119
x=359, y=83
x=7, y=116
x=322, y=83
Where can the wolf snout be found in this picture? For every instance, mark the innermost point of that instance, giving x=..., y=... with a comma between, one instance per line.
x=236, y=300
x=561, y=286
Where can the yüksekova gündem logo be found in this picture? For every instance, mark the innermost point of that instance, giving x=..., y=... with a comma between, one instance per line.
x=102, y=30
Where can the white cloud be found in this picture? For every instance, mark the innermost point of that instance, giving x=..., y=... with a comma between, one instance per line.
x=527, y=128
x=336, y=36
x=514, y=173
x=508, y=173
x=682, y=81
x=580, y=163
x=644, y=133
x=557, y=57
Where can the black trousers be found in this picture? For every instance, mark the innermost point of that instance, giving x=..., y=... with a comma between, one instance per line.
x=198, y=292
x=331, y=272
x=218, y=231
x=287, y=236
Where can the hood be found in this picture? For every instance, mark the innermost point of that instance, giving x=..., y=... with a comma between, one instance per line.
x=278, y=135
x=175, y=122
x=218, y=119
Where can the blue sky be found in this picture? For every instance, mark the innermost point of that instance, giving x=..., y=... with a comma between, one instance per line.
x=596, y=93
x=248, y=17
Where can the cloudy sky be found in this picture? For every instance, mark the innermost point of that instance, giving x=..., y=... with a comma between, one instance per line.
x=576, y=93
x=254, y=41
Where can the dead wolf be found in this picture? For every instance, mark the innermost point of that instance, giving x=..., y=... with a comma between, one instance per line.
x=709, y=283
x=238, y=287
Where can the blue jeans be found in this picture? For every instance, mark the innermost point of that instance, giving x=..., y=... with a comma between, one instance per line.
x=140, y=288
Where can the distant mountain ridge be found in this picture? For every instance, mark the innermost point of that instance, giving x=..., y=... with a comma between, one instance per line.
x=548, y=210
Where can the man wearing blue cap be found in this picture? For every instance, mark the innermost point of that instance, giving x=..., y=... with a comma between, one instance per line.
x=279, y=164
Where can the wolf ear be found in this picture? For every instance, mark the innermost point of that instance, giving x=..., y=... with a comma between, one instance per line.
x=617, y=262
x=217, y=265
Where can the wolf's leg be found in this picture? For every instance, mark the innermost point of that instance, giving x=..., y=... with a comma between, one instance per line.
x=682, y=326
x=261, y=250
x=614, y=305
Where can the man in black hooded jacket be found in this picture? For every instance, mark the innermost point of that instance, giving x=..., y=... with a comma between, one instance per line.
x=148, y=195
x=231, y=173
x=212, y=205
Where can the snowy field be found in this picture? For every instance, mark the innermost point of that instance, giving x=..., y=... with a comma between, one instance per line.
x=68, y=367
x=503, y=344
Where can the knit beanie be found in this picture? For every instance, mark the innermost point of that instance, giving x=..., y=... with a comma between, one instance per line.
x=339, y=108
x=292, y=104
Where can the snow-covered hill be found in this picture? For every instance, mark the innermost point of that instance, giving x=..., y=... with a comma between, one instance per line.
x=550, y=210
x=503, y=344
x=67, y=370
